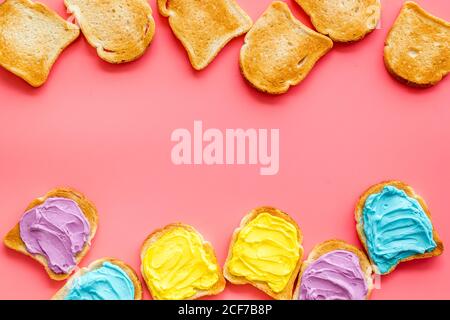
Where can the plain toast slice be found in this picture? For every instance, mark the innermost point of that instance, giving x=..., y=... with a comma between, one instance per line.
x=279, y=51
x=417, y=49
x=204, y=27
x=32, y=36
x=120, y=30
x=343, y=20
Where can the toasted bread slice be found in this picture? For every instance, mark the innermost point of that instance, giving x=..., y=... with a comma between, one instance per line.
x=32, y=36
x=208, y=251
x=120, y=30
x=417, y=47
x=279, y=51
x=64, y=291
x=409, y=192
x=204, y=27
x=286, y=293
x=333, y=245
x=13, y=240
x=343, y=20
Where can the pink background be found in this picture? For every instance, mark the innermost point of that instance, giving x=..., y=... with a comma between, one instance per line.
x=105, y=130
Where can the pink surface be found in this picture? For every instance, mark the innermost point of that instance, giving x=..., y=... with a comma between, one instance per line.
x=105, y=130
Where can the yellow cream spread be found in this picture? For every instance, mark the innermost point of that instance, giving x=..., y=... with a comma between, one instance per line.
x=176, y=265
x=267, y=250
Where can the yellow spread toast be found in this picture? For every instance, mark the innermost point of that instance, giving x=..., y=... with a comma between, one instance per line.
x=266, y=252
x=204, y=27
x=178, y=264
x=395, y=236
x=32, y=36
x=14, y=241
x=279, y=51
x=333, y=245
x=120, y=30
x=417, y=47
x=343, y=20
x=64, y=291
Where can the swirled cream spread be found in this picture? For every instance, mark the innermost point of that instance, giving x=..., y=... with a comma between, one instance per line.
x=58, y=230
x=109, y=282
x=336, y=275
x=177, y=265
x=396, y=227
x=267, y=249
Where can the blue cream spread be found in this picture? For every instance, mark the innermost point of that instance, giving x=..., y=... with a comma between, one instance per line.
x=396, y=227
x=109, y=282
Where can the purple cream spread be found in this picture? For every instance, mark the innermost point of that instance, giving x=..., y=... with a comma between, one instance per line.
x=58, y=230
x=336, y=275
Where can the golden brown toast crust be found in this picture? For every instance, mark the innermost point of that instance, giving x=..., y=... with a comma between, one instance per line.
x=32, y=37
x=204, y=27
x=13, y=241
x=343, y=21
x=279, y=51
x=286, y=294
x=120, y=30
x=155, y=235
x=411, y=193
x=62, y=293
x=333, y=245
x=417, y=47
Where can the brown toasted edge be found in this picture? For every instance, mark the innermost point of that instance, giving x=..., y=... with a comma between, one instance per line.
x=420, y=10
x=286, y=294
x=13, y=241
x=158, y=233
x=333, y=245
x=62, y=293
x=244, y=28
x=411, y=193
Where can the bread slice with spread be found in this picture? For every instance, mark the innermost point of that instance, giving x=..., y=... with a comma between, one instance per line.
x=279, y=51
x=120, y=30
x=56, y=230
x=334, y=270
x=266, y=252
x=394, y=225
x=32, y=37
x=417, y=47
x=178, y=264
x=103, y=279
x=204, y=27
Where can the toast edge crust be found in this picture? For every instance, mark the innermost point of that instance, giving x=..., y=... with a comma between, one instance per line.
x=13, y=241
x=286, y=294
x=207, y=246
x=332, y=245
x=411, y=193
